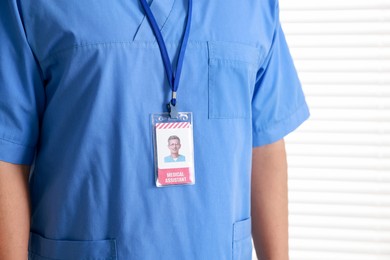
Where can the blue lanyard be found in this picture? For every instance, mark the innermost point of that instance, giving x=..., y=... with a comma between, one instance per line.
x=173, y=77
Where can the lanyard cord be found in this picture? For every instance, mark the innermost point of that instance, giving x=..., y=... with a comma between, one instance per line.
x=173, y=77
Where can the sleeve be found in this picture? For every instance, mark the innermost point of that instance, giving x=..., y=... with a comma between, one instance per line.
x=278, y=103
x=21, y=89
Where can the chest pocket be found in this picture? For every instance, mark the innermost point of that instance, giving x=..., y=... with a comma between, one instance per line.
x=232, y=74
x=41, y=248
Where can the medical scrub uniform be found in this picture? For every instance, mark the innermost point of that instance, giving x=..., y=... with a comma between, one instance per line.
x=79, y=80
x=180, y=158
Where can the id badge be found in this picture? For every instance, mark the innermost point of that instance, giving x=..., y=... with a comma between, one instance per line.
x=173, y=143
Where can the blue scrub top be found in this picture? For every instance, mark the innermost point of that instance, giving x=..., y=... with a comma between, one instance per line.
x=180, y=158
x=78, y=82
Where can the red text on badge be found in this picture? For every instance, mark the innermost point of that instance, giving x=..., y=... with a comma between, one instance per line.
x=174, y=176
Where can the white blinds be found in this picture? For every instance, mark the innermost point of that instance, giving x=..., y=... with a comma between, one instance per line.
x=339, y=175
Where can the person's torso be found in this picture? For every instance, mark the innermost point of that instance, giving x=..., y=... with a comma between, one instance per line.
x=92, y=189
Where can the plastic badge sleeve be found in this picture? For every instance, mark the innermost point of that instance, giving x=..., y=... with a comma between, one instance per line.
x=173, y=143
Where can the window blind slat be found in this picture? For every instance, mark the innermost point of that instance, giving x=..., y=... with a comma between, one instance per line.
x=337, y=28
x=339, y=16
x=326, y=255
x=360, y=127
x=351, y=102
x=338, y=41
x=347, y=234
x=340, y=223
x=340, y=210
x=346, y=175
x=339, y=187
x=342, y=246
x=341, y=139
x=361, y=66
x=346, y=115
x=315, y=5
x=347, y=90
x=342, y=53
x=328, y=150
x=345, y=78
x=339, y=198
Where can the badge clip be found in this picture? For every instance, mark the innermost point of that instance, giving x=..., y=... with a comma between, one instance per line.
x=172, y=109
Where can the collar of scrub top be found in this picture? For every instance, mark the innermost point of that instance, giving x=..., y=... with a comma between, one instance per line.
x=173, y=76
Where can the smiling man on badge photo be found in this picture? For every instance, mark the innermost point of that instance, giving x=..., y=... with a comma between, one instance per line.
x=174, y=146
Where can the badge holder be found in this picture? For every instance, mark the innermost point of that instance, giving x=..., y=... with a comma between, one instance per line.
x=173, y=139
x=173, y=143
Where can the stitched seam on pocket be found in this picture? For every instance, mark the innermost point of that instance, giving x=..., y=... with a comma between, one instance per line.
x=235, y=52
x=242, y=229
x=41, y=256
x=64, y=246
x=233, y=62
x=112, y=257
